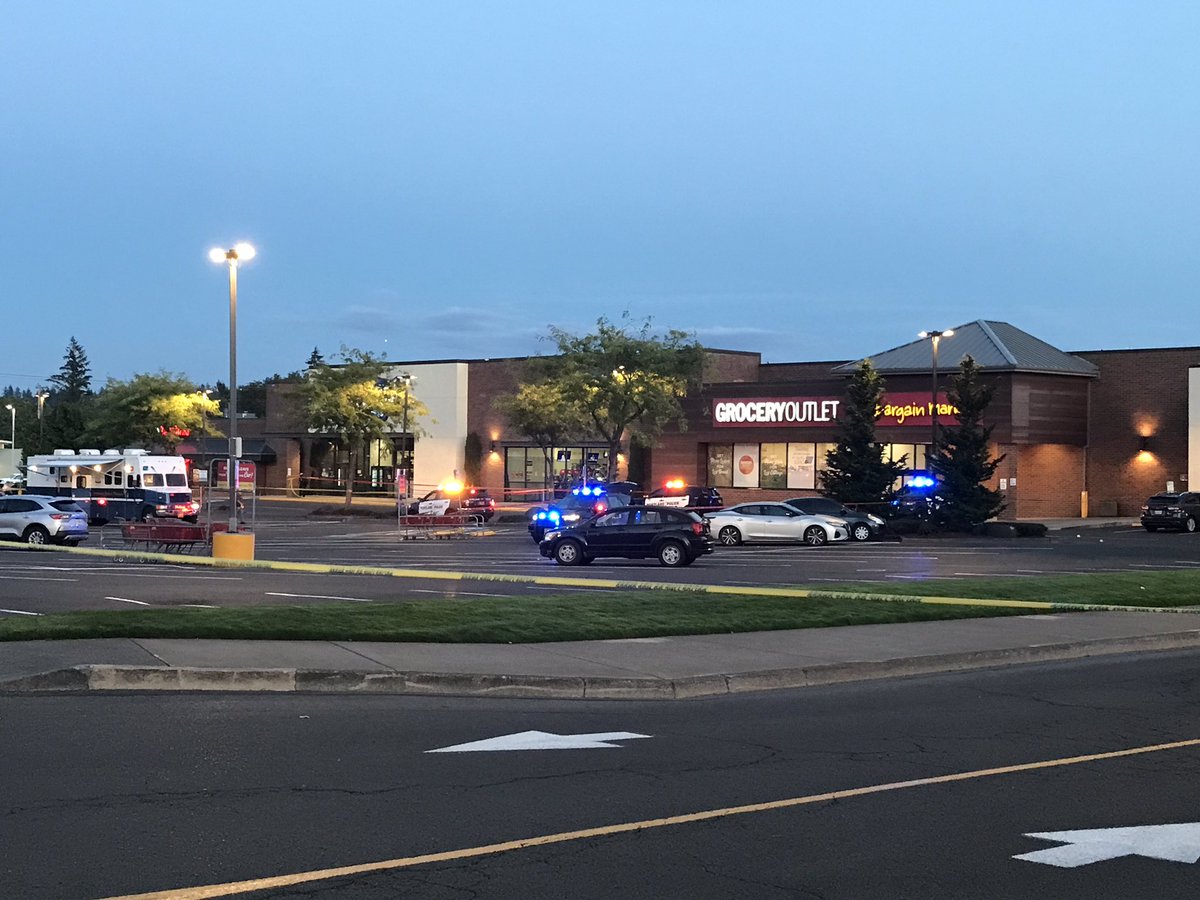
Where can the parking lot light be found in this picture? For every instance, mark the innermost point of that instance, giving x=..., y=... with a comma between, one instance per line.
x=935, y=337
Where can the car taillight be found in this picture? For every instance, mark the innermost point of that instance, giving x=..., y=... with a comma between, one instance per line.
x=491, y=503
x=697, y=528
x=600, y=507
x=102, y=502
x=58, y=517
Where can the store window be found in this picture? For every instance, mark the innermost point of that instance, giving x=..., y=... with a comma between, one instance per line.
x=772, y=464
x=802, y=466
x=720, y=465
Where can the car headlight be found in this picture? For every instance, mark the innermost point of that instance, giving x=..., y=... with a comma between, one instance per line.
x=551, y=535
x=874, y=518
x=839, y=523
x=571, y=517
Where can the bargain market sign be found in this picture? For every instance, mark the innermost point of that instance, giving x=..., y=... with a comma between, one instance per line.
x=801, y=412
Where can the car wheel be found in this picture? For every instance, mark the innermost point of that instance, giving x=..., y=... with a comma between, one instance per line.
x=729, y=536
x=815, y=536
x=672, y=553
x=568, y=553
x=860, y=531
x=36, y=534
x=1189, y=524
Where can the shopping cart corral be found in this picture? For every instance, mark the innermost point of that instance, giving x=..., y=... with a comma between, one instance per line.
x=169, y=537
x=444, y=527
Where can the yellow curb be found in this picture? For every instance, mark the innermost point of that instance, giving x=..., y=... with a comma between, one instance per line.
x=567, y=581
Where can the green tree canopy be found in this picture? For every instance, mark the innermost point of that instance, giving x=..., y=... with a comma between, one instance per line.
x=357, y=401
x=544, y=412
x=626, y=379
x=962, y=461
x=148, y=410
x=856, y=471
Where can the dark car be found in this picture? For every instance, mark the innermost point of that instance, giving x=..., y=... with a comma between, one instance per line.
x=580, y=505
x=678, y=495
x=863, y=526
x=1177, y=511
x=674, y=536
x=471, y=501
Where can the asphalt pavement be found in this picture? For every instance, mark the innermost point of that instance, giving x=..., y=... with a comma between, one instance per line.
x=644, y=668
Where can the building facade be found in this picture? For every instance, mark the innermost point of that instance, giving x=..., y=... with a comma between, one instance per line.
x=1085, y=433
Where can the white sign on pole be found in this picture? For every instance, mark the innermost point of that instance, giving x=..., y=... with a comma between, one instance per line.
x=1173, y=843
x=543, y=740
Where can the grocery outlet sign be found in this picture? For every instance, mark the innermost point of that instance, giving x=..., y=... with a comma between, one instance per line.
x=812, y=412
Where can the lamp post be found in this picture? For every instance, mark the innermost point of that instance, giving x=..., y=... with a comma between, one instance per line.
x=41, y=399
x=935, y=337
x=407, y=379
x=12, y=444
x=242, y=252
x=204, y=395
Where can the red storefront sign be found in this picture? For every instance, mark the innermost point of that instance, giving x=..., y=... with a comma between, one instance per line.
x=897, y=409
x=247, y=473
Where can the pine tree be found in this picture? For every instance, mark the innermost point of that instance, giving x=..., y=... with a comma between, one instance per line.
x=74, y=379
x=856, y=471
x=315, y=359
x=963, y=462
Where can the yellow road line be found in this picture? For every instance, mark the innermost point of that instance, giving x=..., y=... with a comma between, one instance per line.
x=567, y=581
x=279, y=881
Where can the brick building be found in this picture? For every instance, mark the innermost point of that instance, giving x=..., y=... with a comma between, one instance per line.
x=1089, y=432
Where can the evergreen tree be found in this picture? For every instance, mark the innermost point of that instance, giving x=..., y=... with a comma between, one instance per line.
x=74, y=379
x=962, y=462
x=856, y=471
x=315, y=359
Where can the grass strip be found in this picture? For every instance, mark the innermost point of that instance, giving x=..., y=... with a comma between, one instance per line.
x=607, y=616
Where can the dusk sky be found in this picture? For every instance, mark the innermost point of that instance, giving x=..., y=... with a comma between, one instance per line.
x=436, y=180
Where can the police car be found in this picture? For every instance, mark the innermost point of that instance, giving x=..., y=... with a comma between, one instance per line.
x=677, y=493
x=580, y=505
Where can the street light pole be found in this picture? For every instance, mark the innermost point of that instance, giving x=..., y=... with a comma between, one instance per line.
x=935, y=337
x=238, y=253
x=13, y=442
x=407, y=379
x=41, y=399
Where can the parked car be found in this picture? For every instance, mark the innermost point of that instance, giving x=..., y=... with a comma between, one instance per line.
x=1177, y=511
x=470, y=500
x=863, y=526
x=36, y=519
x=747, y=522
x=580, y=505
x=680, y=495
x=675, y=537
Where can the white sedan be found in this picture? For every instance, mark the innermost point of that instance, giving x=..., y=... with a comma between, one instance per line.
x=747, y=522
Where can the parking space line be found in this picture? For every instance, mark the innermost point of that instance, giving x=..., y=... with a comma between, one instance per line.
x=317, y=597
x=19, y=612
x=228, y=889
x=35, y=578
x=127, y=600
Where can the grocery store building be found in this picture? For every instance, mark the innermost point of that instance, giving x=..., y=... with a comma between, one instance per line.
x=1083, y=433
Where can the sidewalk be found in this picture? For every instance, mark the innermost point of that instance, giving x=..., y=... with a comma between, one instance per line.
x=671, y=668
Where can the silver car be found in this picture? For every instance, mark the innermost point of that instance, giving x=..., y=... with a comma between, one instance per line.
x=36, y=519
x=748, y=522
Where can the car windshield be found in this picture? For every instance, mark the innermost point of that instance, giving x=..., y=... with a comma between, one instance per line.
x=578, y=501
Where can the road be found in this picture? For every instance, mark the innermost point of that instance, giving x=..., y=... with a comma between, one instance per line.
x=115, y=795
x=40, y=583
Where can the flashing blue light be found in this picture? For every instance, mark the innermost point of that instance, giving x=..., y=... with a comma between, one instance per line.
x=921, y=481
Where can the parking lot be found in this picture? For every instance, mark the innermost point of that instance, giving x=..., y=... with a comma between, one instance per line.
x=41, y=582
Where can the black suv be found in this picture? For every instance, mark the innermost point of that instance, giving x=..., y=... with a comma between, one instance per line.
x=676, y=537
x=1180, y=511
x=470, y=501
x=863, y=526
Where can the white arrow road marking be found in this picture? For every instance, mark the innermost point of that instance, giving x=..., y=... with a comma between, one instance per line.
x=1174, y=843
x=543, y=740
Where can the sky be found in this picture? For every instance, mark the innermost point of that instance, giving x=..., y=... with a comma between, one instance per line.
x=812, y=181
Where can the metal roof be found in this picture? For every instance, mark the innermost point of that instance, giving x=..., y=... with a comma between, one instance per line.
x=995, y=346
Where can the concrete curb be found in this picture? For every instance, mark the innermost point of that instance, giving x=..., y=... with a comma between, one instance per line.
x=107, y=678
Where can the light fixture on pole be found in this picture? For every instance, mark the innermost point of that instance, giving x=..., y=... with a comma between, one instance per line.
x=12, y=409
x=239, y=253
x=935, y=337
